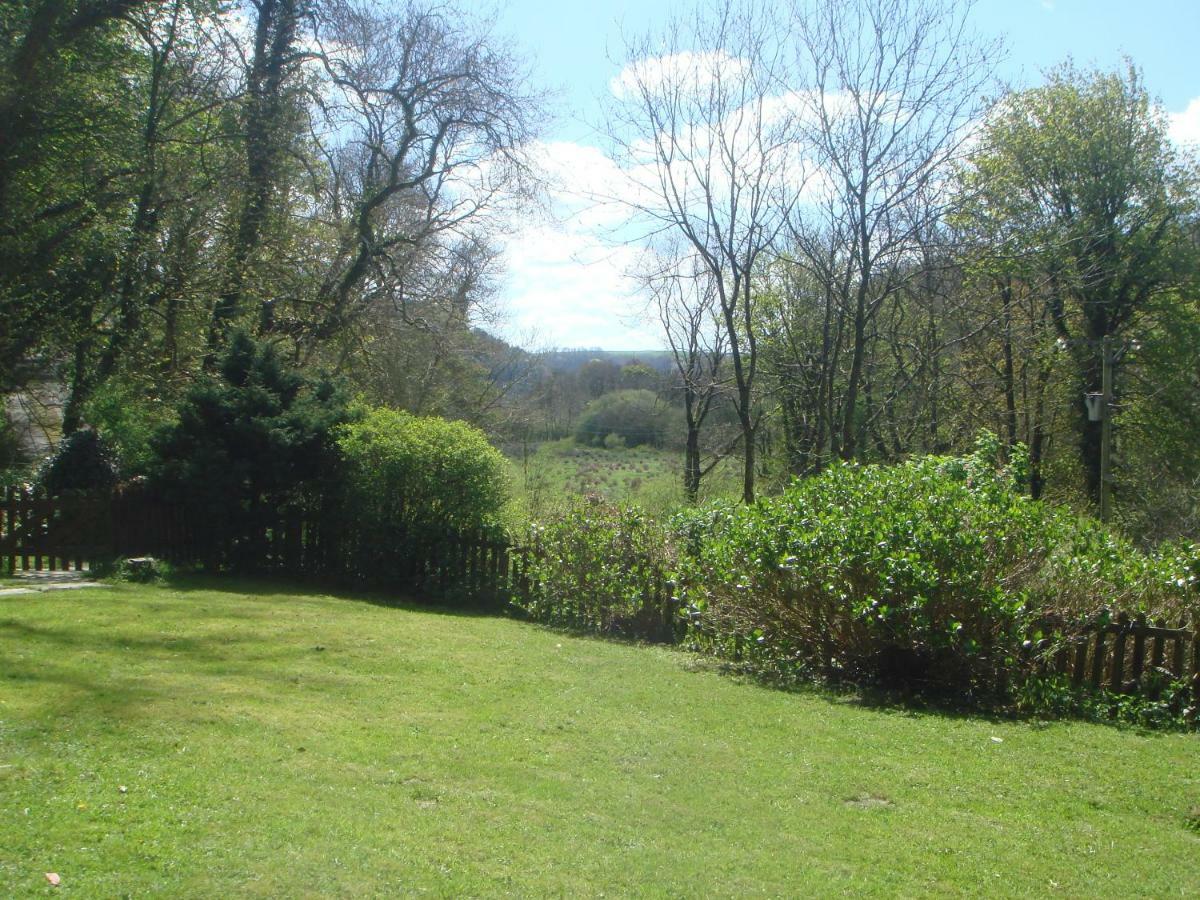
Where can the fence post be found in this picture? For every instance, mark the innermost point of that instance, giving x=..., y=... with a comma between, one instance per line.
x=1196, y=657
x=1139, y=649
x=10, y=530
x=1117, y=679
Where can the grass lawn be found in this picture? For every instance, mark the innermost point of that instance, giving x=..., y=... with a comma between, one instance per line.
x=203, y=740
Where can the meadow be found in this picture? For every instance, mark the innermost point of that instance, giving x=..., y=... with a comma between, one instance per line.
x=548, y=474
x=217, y=737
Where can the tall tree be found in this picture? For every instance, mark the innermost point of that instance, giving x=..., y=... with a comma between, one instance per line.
x=894, y=89
x=1079, y=184
x=698, y=113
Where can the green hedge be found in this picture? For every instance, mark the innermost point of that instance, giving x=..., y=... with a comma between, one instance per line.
x=930, y=574
x=413, y=473
x=602, y=568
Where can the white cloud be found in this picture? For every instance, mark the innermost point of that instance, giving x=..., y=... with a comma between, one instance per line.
x=696, y=71
x=566, y=281
x=566, y=288
x=1184, y=127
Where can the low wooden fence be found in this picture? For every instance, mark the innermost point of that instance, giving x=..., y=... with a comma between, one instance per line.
x=40, y=532
x=78, y=531
x=1123, y=654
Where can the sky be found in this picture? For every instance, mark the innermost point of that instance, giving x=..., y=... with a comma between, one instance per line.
x=564, y=282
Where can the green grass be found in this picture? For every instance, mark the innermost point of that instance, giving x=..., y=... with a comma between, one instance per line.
x=285, y=743
x=650, y=477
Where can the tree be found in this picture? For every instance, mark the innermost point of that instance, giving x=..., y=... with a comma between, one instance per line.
x=683, y=298
x=269, y=127
x=427, y=127
x=698, y=111
x=894, y=89
x=1081, y=190
x=635, y=416
x=253, y=441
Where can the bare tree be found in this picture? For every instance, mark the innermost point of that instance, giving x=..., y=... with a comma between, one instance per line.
x=895, y=87
x=427, y=123
x=699, y=123
x=684, y=299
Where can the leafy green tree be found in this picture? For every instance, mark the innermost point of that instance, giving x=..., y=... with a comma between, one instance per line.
x=636, y=416
x=1079, y=183
x=82, y=461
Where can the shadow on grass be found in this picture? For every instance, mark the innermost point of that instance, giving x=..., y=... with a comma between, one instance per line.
x=306, y=589
x=114, y=670
x=918, y=703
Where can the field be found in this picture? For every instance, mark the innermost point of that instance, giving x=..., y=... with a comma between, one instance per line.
x=217, y=738
x=649, y=477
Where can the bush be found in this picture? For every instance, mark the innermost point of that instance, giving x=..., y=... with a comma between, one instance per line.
x=601, y=568
x=929, y=574
x=421, y=473
x=248, y=447
x=898, y=575
x=128, y=414
x=635, y=416
x=82, y=462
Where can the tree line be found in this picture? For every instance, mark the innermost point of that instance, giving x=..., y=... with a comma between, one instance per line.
x=871, y=251
x=328, y=176
x=858, y=246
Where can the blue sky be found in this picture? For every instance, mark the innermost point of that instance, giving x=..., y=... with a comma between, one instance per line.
x=564, y=284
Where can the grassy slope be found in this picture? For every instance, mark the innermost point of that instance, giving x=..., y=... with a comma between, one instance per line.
x=459, y=755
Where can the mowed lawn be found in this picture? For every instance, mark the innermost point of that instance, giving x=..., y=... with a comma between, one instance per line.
x=206, y=741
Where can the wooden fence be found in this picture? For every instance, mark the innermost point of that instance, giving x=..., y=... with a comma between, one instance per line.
x=78, y=531
x=1123, y=654
x=40, y=532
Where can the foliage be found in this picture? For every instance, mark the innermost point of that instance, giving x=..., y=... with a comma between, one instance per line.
x=83, y=461
x=142, y=570
x=927, y=575
x=407, y=474
x=602, y=568
x=9, y=444
x=900, y=575
x=1163, y=705
x=1103, y=216
x=253, y=442
x=128, y=412
x=636, y=416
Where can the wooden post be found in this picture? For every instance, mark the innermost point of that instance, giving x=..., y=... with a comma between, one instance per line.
x=1196, y=657
x=1180, y=641
x=1158, y=649
x=1106, y=430
x=1117, y=681
x=1139, y=648
x=27, y=536
x=10, y=527
x=1081, y=650
x=1098, y=658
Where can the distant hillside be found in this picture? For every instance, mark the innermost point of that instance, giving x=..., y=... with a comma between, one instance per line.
x=574, y=360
